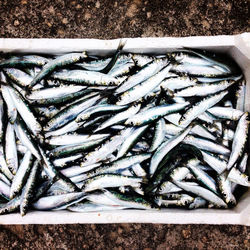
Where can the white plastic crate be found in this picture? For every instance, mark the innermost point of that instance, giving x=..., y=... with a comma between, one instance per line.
x=237, y=46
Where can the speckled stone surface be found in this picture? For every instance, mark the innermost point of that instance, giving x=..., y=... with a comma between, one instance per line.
x=113, y=19
x=124, y=18
x=124, y=236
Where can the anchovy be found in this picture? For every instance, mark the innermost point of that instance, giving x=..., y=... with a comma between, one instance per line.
x=145, y=73
x=73, y=149
x=237, y=177
x=11, y=109
x=200, y=107
x=202, y=192
x=27, y=193
x=11, y=149
x=70, y=127
x=185, y=57
x=70, y=139
x=225, y=188
x=25, y=138
x=202, y=176
x=176, y=83
x=222, y=66
x=131, y=141
x=239, y=141
x=241, y=96
x=58, y=62
x=120, y=117
x=77, y=170
x=159, y=135
x=111, y=180
x=25, y=112
x=70, y=113
x=117, y=166
x=218, y=79
x=181, y=200
x=214, y=162
x=58, y=202
x=128, y=201
x=85, y=77
x=94, y=65
x=18, y=76
x=141, y=60
x=10, y=206
x=143, y=88
x=197, y=70
x=121, y=70
x=24, y=61
x=55, y=95
x=207, y=145
x=63, y=161
x=106, y=149
x=226, y=113
x=152, y=114
x=54, y=174
x=165, y=147
x=204, y=89
x=21, y=175
x=95, y=110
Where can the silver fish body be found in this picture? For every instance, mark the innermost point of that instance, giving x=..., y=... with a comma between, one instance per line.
x=239, y=141
x=58, y=62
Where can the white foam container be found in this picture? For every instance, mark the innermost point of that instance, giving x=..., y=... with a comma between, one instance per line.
x=237, y=46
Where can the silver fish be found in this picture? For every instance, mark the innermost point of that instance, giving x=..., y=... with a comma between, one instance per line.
x=202, y=192
x=239, y=141
x=58, y=202
x=106, y=149
x=147, y=116
x=85, y=77
x=148, y=71
x=140, y=90
x=111, y=180
x=21, y=175
x=120, y=117
x=11, y=149
x=58, y=62
x=159, y=135
x=200, y=107
x=165, y=147
x=28, y=190
x=25, y=112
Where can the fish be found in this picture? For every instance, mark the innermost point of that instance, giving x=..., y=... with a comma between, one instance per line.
x=84, y=132
x=60, y=61
x=164, y=148
x=239, y=141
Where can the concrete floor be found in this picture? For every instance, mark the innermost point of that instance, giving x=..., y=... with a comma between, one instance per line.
x=112, y=19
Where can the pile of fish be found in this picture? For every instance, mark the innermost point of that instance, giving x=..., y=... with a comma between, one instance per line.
x=90, y=133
